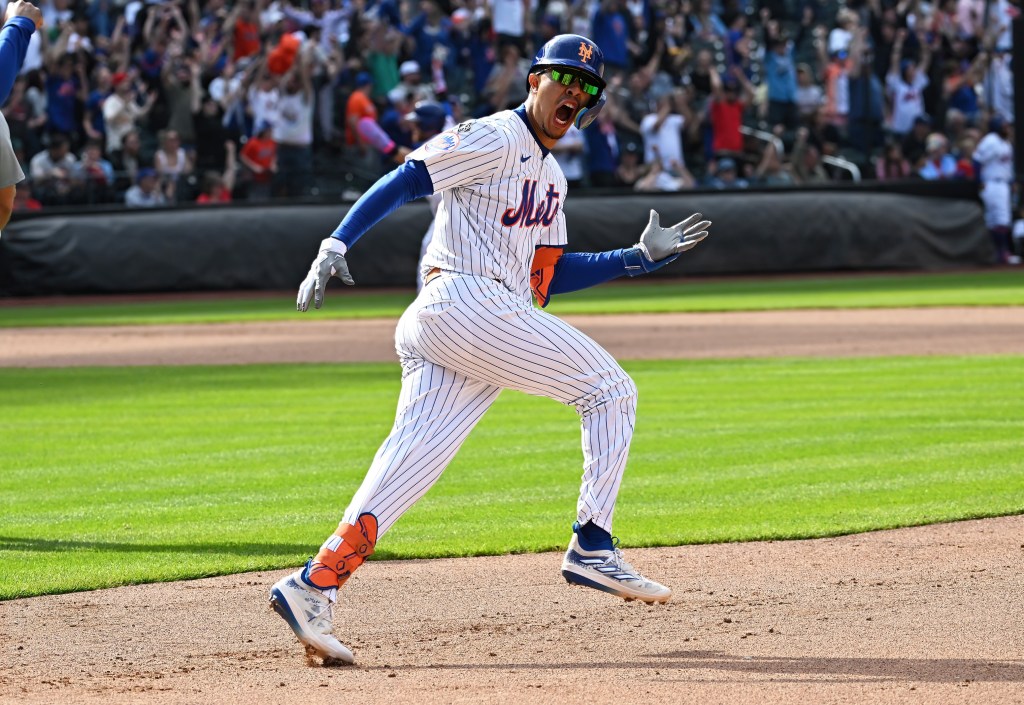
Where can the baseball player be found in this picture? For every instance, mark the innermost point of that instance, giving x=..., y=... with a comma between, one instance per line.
x=994, y=154
x=473, y=330
x=21, y=19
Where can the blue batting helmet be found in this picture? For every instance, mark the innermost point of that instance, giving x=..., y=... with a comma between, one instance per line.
x=575, y=52
x=429, y=115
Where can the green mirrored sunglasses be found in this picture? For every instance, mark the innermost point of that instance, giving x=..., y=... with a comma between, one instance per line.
x=567, y=77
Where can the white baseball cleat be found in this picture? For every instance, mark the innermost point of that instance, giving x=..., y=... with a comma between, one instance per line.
x=609, y=571
x=308, y=612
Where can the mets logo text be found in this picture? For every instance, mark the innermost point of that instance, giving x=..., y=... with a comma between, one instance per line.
x=586, y=51
x=444, y=142
x=529, y=212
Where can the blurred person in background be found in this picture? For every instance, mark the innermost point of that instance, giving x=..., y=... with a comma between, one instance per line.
x=780, y=75
x=122, y=111
x=568, y=152
x=511, y=22
x=805, y=163
x=172, y=161
x=630, y=169
x=430, y=35
x=211, y=136
x=726, y=176
x=24, y=119
x=506, y=86
x=662, y=133
x=837, y=89
x=892, y=165
x=95, y=173
x=965, y=164
x=262, y=95
x=809, y=95
x=52, y=172
x=127, y=160
x=914, y=143
x=93, y=124
x=65, y=92
x=218, y=187
x=411, y=79
x=602, y=149
x=706, y=24
x=937, y=164
x=994, y=155
x=293, y=132
x=905, y=83
x=182, y=93
x=611, y=29
x=149, y=191
x=770, y=170
x=259, y=157
x=729, y=100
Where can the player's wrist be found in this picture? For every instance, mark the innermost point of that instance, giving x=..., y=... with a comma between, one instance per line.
x=637, y=260
x=333, y=244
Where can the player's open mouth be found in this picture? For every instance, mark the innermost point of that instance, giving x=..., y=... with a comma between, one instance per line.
x=564, y=112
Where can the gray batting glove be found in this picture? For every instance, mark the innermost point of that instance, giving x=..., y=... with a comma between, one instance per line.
x=329, y=263
x=658, y=243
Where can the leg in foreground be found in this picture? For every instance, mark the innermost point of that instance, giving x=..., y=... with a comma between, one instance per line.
x=436, y=411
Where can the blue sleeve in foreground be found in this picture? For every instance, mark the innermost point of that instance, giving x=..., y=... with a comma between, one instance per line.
x=406, y=183
x=14, y=38
x=580, y=270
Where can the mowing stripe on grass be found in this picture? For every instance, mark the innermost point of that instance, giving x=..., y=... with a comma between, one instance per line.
x=112, y=476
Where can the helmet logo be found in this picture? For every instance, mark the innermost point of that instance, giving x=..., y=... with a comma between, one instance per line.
x=586, y=51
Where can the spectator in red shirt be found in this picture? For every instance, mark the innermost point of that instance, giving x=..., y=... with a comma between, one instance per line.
x=729, y=100
x=246, y=32
x=259, y=157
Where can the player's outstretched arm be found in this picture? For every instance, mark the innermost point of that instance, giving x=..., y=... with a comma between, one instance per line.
x=556, y=273
x=406, y=183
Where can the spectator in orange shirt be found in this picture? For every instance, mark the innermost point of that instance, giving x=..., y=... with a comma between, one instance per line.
x=359, y=106
x=259, y=157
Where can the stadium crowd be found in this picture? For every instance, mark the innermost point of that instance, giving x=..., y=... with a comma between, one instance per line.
x=151, y=103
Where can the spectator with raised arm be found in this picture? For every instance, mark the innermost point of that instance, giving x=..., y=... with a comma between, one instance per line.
x=293, y=132
x=905, y=83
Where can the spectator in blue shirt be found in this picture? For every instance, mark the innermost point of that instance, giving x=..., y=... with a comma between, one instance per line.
x=63, y=91
x=611, y=25
x=780, y=74
x=430, y=31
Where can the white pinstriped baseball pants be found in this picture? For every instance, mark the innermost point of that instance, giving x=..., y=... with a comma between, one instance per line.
x=462, y=341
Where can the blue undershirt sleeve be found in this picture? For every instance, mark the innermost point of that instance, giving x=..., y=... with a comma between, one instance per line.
x=406, y=183
x=580, y=270
x=14, y=39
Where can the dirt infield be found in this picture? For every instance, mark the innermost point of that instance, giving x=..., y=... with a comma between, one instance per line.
x=833, y=333
x=922, y=615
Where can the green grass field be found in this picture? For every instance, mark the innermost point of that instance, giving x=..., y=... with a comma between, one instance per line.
x=115, y=476
x=992, y=288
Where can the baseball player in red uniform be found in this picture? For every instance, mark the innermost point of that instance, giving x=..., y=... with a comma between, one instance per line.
x=473, y=330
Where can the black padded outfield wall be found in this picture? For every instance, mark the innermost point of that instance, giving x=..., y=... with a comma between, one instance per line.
x=271, y=247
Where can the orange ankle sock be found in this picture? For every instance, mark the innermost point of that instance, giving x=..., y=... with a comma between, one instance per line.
x=343, y=552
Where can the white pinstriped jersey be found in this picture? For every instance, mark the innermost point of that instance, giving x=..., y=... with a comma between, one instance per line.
x=501, y=197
